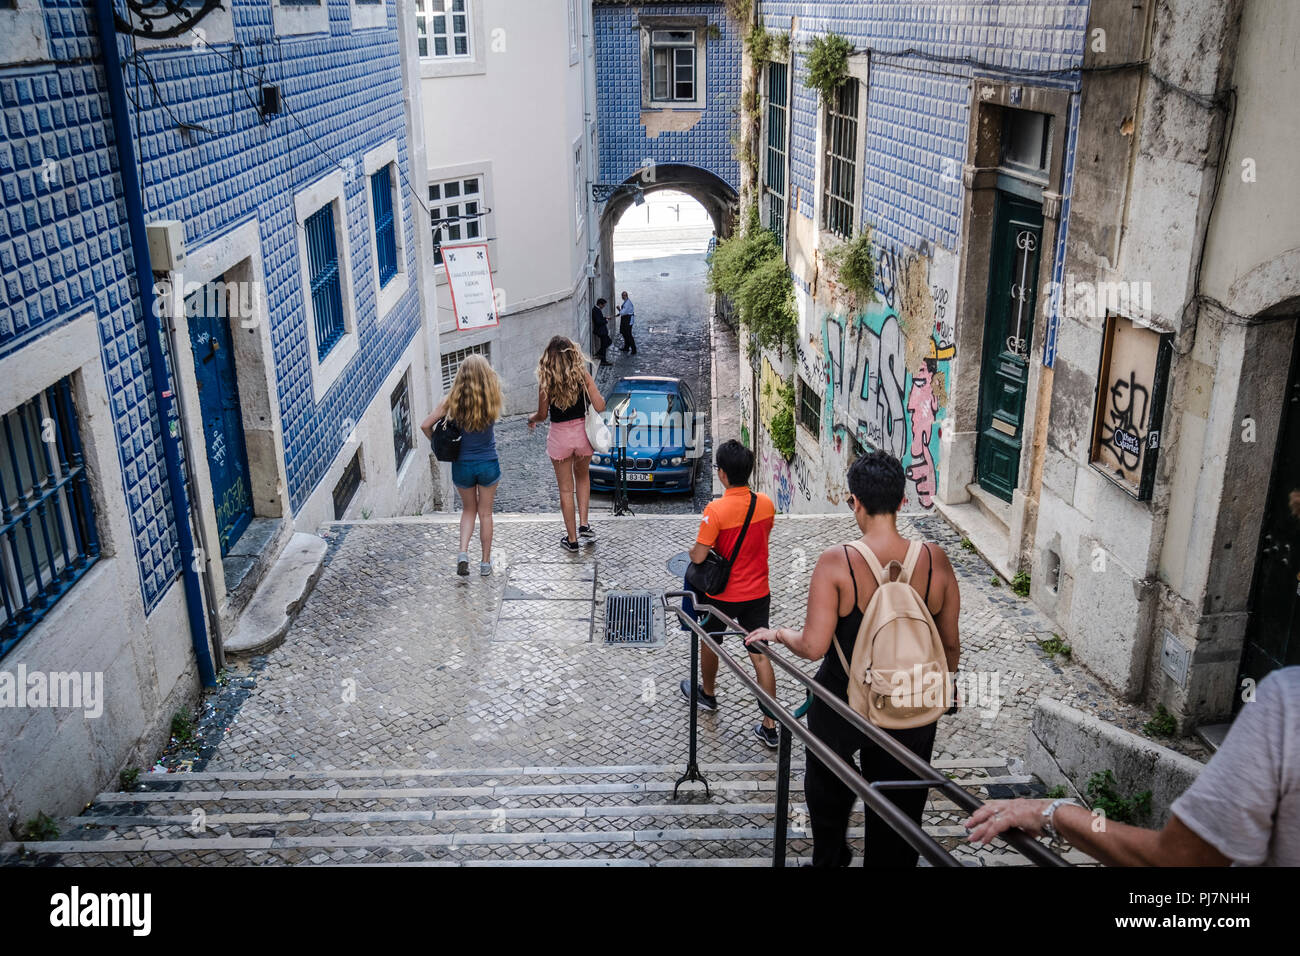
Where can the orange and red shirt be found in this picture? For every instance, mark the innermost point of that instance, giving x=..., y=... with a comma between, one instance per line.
x=719, y=530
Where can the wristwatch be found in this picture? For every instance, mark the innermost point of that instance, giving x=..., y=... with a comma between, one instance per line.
x=1048, y=828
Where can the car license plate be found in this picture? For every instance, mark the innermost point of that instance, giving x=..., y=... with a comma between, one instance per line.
x=634, y=476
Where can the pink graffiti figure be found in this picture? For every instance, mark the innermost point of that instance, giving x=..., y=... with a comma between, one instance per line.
x=923, y=407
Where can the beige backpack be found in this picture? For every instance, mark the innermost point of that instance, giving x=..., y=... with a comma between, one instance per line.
x=898, y=677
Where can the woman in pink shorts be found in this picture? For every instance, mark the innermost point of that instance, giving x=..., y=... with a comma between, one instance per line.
x=564, y=390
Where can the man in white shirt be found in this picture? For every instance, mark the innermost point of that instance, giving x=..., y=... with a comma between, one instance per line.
x=626, y=314
x=1243, y=808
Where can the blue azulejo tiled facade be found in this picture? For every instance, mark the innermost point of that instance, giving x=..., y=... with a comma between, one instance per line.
x=627, y=106
x=210, y=159
x=924, y=55
x=889, y=151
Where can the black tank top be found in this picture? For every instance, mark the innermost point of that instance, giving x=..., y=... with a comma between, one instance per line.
x=577, y=410
x=831, y=674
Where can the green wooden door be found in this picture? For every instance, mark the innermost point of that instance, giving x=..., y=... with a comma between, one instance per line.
x=1008, y=326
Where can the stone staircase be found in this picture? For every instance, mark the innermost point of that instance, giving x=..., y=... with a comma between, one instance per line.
x=609, y=815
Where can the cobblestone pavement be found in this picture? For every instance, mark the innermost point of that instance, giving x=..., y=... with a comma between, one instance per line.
x=412, y=714
x=396, y=662
x=672, y=337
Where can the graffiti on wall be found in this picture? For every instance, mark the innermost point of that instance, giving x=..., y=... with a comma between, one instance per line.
x=778, y=470
x=1125, y=415
x=884, y=368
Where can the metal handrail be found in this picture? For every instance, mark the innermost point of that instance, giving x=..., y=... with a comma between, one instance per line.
x=870, y=793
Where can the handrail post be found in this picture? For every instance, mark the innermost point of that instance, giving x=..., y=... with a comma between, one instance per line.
x=782, y=794
x=873, y=797
x=692, y=767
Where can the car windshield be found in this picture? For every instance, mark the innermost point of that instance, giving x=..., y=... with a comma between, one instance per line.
x=628, y=405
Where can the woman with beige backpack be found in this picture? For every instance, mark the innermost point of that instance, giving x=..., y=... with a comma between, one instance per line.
x=912, y=623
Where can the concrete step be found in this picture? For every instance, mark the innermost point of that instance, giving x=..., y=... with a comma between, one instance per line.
x=983, y=527
x=616, y=815
x=275, y=604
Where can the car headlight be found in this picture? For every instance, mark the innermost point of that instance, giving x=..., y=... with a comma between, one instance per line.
x=678, y=460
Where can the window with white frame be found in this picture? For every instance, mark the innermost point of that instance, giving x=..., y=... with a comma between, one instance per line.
x=840, y=177
x=384, y=211
x=442, y=28
x=49, y=537
x=672, y=62
x=672, y=58
x=458, y=204
x=325, y=263
x=399, y=404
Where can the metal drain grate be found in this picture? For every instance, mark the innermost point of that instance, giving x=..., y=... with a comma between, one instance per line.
x=630, y=617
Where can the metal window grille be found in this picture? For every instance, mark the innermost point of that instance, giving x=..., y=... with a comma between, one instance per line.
x=451, y=362
x=381, y=194
x=672, y=55
x=442, y=28
x=400, y=403
x=810, y=413
x=841, y=159
x=347, y=487
x=48, y=536
x=450, y=200
x=326, y=288
x=777, y=113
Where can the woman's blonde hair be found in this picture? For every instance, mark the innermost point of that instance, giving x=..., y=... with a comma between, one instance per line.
x=562, y=372
x=474, y=402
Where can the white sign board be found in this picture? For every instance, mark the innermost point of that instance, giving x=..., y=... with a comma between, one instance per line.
x=469, y=278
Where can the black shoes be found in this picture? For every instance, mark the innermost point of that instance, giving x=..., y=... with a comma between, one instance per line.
x=567, y=545
x=705, y=701
x=767, y=735
x=585, y=531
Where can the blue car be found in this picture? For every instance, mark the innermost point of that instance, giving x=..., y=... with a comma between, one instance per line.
x=659, y=425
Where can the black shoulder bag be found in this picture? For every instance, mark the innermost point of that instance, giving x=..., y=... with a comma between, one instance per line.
x=446, y=439
x=710, y=575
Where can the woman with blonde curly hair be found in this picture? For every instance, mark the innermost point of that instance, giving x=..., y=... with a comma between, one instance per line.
x=564, y=390
x=474, y=403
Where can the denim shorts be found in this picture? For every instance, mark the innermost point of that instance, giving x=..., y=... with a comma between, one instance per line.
x=467, y=474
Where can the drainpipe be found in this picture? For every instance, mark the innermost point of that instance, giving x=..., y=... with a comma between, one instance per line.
x=166, y=401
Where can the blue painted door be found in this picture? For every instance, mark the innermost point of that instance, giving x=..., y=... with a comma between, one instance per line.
x=223, y=430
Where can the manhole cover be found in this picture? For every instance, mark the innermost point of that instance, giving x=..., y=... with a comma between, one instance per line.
x=630, y=617
x=678, y=564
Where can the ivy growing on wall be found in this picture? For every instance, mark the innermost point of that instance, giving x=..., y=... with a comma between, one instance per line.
x=739, y=10
x=854, y=264
x=781, y=429
x=828, y=63
x=749, y=269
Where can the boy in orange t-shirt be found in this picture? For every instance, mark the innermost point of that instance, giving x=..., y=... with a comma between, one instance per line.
x=747, y=597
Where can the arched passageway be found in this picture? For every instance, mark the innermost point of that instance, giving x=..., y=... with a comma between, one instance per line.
x=717, y=198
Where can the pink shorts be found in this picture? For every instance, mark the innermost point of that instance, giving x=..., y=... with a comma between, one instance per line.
x=566, y=439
